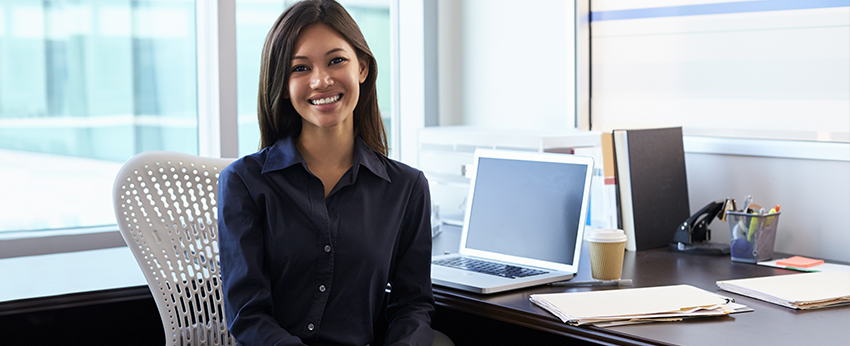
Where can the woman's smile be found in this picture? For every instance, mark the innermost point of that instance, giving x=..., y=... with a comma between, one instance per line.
x=325, y=100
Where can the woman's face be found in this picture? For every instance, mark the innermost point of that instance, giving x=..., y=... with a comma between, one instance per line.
x=324, y=80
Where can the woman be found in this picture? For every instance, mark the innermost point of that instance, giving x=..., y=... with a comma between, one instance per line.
x=315, y=225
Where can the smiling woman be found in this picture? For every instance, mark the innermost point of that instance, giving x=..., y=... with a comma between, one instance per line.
x=316, y=225
x=253, y=20
x=284, y=77
x=325, y=78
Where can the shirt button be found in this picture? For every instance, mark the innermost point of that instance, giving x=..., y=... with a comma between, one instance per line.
x=322, y=288
x=310, y=327
x=327, y=248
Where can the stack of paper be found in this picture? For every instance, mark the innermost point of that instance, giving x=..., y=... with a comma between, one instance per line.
x=796, y=291
x=823, y=267
x=636, y=305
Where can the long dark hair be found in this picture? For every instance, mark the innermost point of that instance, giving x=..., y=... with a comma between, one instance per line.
x=278, y=118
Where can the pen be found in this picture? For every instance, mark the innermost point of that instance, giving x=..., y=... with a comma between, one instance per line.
x=594, y=283
x=802, y=269
x=728, y=299
x=747, y=201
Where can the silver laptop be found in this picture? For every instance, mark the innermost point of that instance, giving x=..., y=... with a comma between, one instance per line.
x=525, y=215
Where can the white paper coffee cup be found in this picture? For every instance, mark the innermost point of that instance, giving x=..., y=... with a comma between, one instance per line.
x=607, y=247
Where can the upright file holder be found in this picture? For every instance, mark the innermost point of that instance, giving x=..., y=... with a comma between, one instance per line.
x=752, y=236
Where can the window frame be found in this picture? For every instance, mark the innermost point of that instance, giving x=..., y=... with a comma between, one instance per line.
x=216, y=81
x=217, y=119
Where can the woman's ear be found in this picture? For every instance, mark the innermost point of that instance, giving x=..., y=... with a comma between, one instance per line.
x=364, y=69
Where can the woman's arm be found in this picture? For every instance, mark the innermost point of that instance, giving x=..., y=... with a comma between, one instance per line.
x=411, y=301
x=245, y=280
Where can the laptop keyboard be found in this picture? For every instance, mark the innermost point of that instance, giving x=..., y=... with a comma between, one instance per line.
x=486, y=267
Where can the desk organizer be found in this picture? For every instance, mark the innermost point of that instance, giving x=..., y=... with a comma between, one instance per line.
x=752, y=236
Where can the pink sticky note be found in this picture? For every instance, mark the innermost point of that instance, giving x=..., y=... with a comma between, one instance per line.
x=799, y=262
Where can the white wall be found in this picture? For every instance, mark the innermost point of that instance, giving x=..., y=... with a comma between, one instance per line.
x=507, y=64
x=814, y=196
x=771, y=74
x=781, y=70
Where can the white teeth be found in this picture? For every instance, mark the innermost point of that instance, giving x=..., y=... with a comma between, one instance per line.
x=325, y=101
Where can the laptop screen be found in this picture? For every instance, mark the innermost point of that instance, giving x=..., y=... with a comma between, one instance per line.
x=529, y=207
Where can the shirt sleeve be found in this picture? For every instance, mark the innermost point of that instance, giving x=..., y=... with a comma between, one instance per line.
x=411, y=300
x=245, y=280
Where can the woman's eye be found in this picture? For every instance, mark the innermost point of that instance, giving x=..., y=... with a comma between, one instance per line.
x=299, y=68
x=335, y=61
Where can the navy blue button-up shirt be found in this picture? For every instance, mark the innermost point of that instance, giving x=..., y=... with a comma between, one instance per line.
x=299, y=268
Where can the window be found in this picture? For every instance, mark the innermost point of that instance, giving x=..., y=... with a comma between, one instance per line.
x=87, y=84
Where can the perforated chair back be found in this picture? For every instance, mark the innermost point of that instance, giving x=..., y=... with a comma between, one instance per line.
x=165, y=205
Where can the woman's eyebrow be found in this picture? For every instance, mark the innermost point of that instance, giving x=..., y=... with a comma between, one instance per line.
x=332, y=51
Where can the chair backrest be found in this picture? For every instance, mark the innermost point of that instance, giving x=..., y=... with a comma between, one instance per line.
x=165, y=205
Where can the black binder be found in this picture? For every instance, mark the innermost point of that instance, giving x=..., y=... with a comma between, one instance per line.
x=652, y=185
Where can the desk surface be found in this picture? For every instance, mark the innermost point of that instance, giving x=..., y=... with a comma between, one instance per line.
x=769, y=324
x=63, y=280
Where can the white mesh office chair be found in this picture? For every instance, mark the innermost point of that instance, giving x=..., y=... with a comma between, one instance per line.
x=165, y=205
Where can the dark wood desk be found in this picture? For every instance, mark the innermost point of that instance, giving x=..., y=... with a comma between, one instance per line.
x=71, y=279
x=769, y=324
x=96, y=295
x=74, y=289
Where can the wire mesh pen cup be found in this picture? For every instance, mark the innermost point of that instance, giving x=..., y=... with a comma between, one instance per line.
x=752, y=236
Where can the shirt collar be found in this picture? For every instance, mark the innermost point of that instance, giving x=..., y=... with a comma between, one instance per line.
x=363, y=155
x=284, y=154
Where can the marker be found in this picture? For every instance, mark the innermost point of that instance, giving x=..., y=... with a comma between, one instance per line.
x=774, y=209
x=770, y=218
x=594, y=283
x=754, y=221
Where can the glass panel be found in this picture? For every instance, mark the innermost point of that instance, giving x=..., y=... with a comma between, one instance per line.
x=254, y=18
x=86, y=85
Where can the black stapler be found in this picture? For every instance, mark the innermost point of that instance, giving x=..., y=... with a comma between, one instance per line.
x=693, y=235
